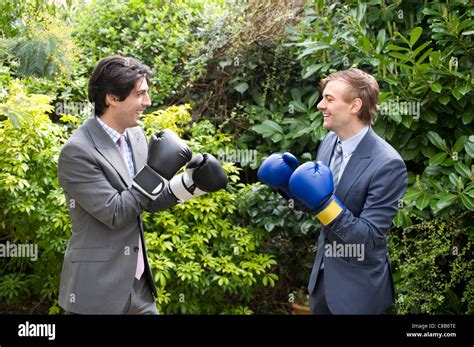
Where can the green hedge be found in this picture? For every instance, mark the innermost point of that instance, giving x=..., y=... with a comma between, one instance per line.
x=250, y=74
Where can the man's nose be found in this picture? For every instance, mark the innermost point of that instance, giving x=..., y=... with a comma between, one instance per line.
x=147, y=100
x=321, y=105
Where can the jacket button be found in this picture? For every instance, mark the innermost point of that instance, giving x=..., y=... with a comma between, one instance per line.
x=136, y=249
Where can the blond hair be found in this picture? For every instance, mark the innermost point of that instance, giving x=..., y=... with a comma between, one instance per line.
x=362, y=86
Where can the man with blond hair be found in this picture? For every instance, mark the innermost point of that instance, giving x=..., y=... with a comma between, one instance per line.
x=354, y=188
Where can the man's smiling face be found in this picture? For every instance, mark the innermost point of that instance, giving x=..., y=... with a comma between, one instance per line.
x=128, y=112
x=336, y=111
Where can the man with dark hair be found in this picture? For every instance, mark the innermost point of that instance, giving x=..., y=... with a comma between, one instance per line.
x=110, y=175
x=354, y=188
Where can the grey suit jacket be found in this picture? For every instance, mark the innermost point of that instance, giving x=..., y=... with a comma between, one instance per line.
x=371, y=186
x=100, y=260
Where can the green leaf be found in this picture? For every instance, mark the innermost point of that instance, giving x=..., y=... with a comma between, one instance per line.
x=423, y=201
x=399, y=56
x=269, y=226
x=295, y=94
x=436, y=140
x=241, y=87
x=469, y=147
x=438, y=159
x=258, y=98
x=445, y=201
x=397, y=48
x=299, y=106
x=365, y=43
x=402, y=219
x=415, y=35
x=459, y=145
x=436, y=87
x=457, y=94
x=463, y=170
x=429, y=116
x=309, y=71
x=444, y=99
x=419, y=49
x=453, y=178
x=396, y=117
x=313, y=99
x=407, y=121
x=380, y=40
x=311, y=50
x=411, y=195
x=267, y=128
x=463, y=90
x=467, y=201
x=425, y=55
x=467, y=116
x=277, y=137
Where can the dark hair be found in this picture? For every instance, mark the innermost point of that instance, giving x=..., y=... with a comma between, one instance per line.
x=362, y=86
x=115, y=75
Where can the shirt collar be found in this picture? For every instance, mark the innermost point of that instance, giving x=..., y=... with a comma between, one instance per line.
x=114, y=134
x=349, y=145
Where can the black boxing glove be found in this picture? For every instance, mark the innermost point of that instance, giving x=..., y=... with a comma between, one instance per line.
x=167, y=153
x=204, y=174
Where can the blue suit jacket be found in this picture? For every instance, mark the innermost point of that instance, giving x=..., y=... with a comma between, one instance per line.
x=371, y=186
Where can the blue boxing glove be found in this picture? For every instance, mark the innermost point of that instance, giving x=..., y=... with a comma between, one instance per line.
x=312, y=183
x=276, y=171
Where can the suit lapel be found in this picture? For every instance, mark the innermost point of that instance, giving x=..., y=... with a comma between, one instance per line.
x=360, y=159
x=139, y=155
x=327, y=149
x=108, y=149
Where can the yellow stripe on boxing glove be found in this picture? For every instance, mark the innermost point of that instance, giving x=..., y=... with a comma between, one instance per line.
x=330, y=211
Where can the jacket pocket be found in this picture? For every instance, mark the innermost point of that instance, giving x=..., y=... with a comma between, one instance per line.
x=90, y=254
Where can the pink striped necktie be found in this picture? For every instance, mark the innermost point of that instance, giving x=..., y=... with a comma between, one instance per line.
x=140, y=263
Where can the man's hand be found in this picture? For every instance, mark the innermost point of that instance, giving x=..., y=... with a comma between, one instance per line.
x=276, y=171
x=204, y=174
x=312, y=183
x=167, y=153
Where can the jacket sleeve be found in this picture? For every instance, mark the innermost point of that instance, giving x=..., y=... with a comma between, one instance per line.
x=83, y=179
x=386, y=188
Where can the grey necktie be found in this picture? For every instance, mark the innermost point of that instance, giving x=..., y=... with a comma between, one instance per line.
x=336, y=163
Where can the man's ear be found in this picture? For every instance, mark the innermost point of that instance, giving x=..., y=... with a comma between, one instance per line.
x=111, y=99
x=356, y=105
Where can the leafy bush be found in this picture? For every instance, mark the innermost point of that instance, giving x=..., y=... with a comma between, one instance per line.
x=43, y=45
x=162, y=34
x=434, y=267
x=289, y=235
x=424, y=65
x=32, y=203
x=249, y=73
x=203, y=260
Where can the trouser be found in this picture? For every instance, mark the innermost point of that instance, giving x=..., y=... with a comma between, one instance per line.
x=140, y=299
x=317, y=299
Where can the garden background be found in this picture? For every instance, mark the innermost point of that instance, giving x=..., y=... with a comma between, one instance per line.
x=239, y=79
